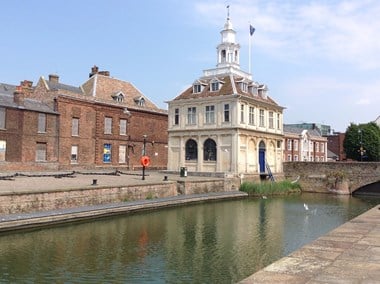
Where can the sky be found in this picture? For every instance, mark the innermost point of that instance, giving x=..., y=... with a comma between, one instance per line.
x=319, y=59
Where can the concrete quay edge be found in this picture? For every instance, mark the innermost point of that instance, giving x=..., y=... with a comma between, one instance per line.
x=347, y=254
x=24, y=221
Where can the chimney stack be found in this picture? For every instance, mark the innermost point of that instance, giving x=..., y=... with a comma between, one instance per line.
x=95, y=70
x=26, y=87
x=19, y=96
x=54, y=78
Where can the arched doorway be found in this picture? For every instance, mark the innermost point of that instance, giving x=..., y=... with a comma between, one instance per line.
x=262, y=156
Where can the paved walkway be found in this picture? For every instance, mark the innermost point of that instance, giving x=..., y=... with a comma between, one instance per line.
x=348, y=254
x=58, y=181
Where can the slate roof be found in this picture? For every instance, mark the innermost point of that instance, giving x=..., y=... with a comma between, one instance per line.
x=230, y=86
x=298, y=131
x=7, y=89
x=53, y=86
x=29, y=104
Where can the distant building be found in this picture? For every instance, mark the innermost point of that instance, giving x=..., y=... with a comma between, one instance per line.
x=100, y=124
x=323, y=129
x=335, y=146
x=306, y=145
x=225, y=121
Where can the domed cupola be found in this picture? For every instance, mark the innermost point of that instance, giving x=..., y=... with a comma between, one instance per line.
x=228, y=50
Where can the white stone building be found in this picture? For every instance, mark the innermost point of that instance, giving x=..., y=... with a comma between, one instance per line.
x=225, y=122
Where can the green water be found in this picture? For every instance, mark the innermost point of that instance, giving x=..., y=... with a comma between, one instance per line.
x=220, y=242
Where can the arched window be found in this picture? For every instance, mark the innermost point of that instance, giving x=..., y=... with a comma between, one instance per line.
x=209, y=150
x=191, y=150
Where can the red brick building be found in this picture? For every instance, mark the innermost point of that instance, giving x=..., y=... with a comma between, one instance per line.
x=28, y=130
x=100, y=124
x=304, y=145
x=335, y=146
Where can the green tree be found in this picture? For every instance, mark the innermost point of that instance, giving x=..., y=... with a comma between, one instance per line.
x=362, y=142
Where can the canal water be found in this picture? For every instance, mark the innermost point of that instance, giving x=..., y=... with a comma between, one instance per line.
x=219, y=242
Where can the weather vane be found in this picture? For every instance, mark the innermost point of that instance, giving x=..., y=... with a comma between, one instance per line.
x=228, y=11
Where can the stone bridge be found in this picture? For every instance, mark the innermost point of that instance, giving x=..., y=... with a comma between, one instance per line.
x=333, y=177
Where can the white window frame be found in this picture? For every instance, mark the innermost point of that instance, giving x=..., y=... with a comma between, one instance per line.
x=74, y=154
x=3, y=113
x=210, y=114
x=176, y=116
x=214, y=86
x=252, y=115
x=42, y=123
x=289, y=144
x=271, y=120
x=122, y=154
x=41, y=152
x=242, y=113
x=107, y=125
x=3, y=150
x=75, y=126
x=197, y=88
x=191, y=115
x=262, y=118
x=226, y=113
x=295, y=145
x=123, y=126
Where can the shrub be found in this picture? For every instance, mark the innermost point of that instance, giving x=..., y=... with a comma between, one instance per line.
x=270, y=188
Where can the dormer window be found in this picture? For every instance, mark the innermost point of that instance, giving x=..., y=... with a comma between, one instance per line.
x=197, y=88
x=244, y=87
x=263, y=91
x=118, y=97
x=140, y=101
x=253, y=90
x=214, y=86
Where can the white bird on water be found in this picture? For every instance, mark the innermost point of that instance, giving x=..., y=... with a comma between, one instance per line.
x=306, y=207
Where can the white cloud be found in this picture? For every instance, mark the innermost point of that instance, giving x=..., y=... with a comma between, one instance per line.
x=340, y=31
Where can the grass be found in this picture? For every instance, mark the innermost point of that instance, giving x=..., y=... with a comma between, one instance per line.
x=270, y=188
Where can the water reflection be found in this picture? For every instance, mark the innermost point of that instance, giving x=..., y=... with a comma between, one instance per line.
x=220, y=242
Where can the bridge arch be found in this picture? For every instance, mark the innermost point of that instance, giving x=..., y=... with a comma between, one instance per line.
x=372, y=189
x=333, y=177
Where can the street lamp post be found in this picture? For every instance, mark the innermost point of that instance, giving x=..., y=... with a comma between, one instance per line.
x=361, y=150
x=143, y=154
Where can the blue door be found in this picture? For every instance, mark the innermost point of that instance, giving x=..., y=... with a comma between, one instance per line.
x=262, y=160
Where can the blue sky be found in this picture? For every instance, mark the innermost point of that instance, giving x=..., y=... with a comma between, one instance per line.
x=320, y=59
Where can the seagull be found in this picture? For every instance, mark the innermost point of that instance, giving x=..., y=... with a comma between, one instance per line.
x=306, y=207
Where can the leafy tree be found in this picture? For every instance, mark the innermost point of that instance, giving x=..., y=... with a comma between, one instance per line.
x=362, y=142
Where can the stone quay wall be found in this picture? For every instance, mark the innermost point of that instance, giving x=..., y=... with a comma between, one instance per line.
x=49, y=198
x=26, y=202
x=332, y=177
